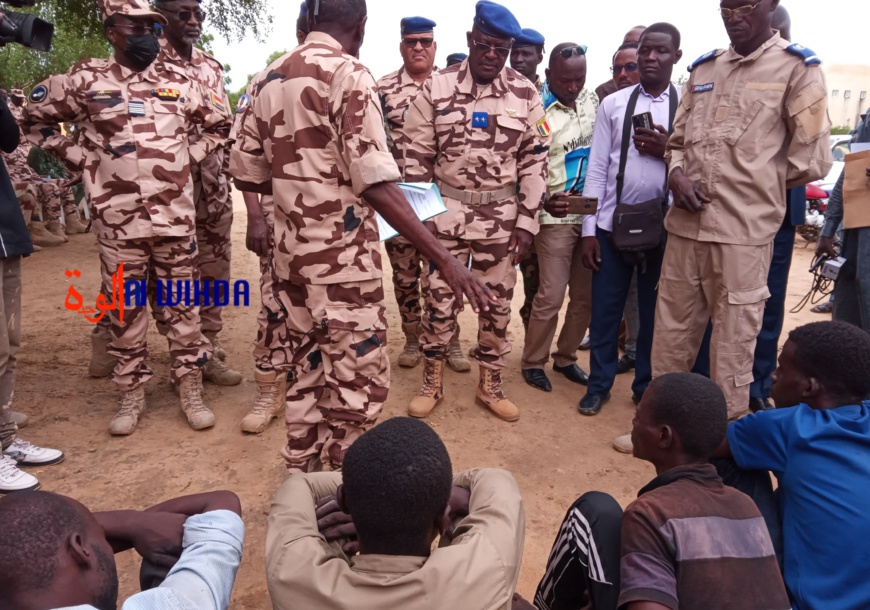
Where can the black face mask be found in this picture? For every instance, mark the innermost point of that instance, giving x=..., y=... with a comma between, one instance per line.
x=142, y=50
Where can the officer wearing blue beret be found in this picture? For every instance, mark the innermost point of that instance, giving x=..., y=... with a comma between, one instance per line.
x=527, y=54
x=456, y=58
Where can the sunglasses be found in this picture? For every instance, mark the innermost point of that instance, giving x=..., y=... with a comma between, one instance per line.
x=185, y=15
x=140, y=29
x=579, y=50
x=483, y=47
x=740, y=11
x=411, y=43
x=627, y=68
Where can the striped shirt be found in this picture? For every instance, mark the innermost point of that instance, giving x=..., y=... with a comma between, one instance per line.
x=689, y=541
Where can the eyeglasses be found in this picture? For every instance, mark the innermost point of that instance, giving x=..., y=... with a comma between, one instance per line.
x=627, y=68
x=483, y=47
x=185, y=15
x=139, y=29
x=579, y=50
x=411, y=43
x=740, y=11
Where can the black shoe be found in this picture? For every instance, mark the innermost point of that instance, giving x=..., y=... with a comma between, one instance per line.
x=591, y=405
x=537, y=378
x=625, y=364
x=635, y=398
x=760, y=404
x=574, y=373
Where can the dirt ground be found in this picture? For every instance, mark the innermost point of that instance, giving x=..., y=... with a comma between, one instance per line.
x=555, y=453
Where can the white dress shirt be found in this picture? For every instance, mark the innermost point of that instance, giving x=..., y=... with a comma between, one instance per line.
x=644, y=175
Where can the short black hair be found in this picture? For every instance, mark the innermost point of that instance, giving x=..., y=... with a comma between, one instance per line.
x=623, y=47
x=693, y=406
x=344, y=13
x=837, y=354
x=35, y=525
x=664, y=28
x=302, y=23
x=397, y=479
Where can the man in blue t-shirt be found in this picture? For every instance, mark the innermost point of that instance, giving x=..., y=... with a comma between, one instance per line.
x=819, y=451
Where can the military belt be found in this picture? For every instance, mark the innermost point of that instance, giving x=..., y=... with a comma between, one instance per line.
x=476, y=197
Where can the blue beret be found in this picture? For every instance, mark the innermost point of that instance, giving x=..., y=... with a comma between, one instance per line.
x=417, y=25
x=529, y=38
x=456, y=57
x=495, y=20
x=303, y=10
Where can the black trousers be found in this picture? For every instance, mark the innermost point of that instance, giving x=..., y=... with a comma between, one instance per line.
x=583, y=567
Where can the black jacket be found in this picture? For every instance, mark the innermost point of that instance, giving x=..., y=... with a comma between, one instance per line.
x=14, y=239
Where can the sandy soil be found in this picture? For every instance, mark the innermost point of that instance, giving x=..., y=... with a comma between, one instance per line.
x=554, y=453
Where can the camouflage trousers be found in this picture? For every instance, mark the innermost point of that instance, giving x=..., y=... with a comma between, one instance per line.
x=272, y=347
x=10, y=341
x=530, y=271
x=47, y=196
x=491, y=262
x=341, y=372
x=27, y=198
x=166, y=258
x=406, y=262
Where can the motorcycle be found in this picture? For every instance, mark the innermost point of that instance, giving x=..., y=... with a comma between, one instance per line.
x=817, y=203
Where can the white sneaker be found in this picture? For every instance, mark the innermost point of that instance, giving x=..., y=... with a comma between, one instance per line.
x=13, y=479
x=623, y=443
x=28, y=454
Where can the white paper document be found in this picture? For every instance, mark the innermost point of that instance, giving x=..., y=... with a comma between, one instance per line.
x=425, y=200
x=857, y=147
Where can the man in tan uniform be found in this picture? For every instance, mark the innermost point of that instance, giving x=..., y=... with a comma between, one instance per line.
x=396, y=90
x=314, y=138
x=479, y=132
x=753, y=121
x=397, y=485
x=135, y=120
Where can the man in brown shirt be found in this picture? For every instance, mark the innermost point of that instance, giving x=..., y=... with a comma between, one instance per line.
x=612, y=86
x=752, y=122
x=395, y=495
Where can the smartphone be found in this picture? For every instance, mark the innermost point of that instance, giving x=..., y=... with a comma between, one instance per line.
x=644, y=120
x=582, y=205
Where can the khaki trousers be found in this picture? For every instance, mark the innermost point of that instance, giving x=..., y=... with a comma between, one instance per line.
x=704, y=280
x=561, y=268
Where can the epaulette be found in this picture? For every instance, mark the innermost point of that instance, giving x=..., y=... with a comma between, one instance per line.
x=810, y=58
x=703, y=59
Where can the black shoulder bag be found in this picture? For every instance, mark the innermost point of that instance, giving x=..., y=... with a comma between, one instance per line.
x=639, y=228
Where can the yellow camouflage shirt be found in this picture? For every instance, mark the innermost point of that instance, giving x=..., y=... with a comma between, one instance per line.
x=480, y=138
x=396, y=90
x=748, y=128
x=315, y=129
x=134, y=130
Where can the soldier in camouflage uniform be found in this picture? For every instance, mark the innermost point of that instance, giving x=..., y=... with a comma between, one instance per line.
x=478, y=131
x=418, y=48
x=71, y=191
x=135, y=121
x=313, y=136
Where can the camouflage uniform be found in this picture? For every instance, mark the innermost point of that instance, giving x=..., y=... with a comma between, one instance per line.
x=136, y=160
x=319, y=153
x=214, y=208
x=477, y=139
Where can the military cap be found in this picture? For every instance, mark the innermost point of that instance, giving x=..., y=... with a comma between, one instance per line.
x=303, y=10
x=129, y=8
x=529, y=38
x=495, y=20
x=16, y=93
x=456, y=58
x=417, y=25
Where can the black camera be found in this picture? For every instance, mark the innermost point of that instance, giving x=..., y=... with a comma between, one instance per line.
x=25, y=29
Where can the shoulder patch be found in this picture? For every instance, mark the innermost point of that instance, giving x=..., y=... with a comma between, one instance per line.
x=38, y=94
x=810, y=58
x=244, y=103
x=703, y=59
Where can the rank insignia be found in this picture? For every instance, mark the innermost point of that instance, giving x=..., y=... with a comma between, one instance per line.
x=244, y=103
x=136, y=108
x=166, y=95
x=510, y=111
x=216, y=101
x=480, y=120
x=543, y=127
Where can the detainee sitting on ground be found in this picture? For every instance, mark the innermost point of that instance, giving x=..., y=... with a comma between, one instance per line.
x=361, y=539
x=687, y=541
x=55, y=553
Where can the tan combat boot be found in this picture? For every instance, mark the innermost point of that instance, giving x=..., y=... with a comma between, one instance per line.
x=55, y=228
x=132, y=406
x=217, y=372
x=216, y=348
x=40, y=236
x=199, y=416
x=432, y=391
x=490, y=393
x=102, y=362
x=455, y=358
x=411, y=354
x=270, y=402
x=74, y=225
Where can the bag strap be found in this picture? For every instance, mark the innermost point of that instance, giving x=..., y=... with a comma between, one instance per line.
x=627, y=129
